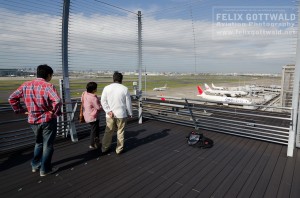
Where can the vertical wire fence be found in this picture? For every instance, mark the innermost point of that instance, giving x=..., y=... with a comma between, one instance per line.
x=103, y=38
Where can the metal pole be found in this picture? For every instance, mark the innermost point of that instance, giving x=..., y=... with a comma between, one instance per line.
x=192, y=115
x=140, y=64
x=65, y=66
x=61, y=119
x=295, y=101
x=145, y=83
x=282, y=84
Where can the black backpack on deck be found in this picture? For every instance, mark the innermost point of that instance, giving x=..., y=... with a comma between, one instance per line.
x=197, y=139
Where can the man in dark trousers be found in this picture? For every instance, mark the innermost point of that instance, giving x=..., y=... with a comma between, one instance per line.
x=42, y=107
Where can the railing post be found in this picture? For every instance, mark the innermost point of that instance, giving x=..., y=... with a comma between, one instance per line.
x=295, y=101
x=192, y=115
x=140, y=64
x=298, y=128
x=61, y=119
x=65, y=66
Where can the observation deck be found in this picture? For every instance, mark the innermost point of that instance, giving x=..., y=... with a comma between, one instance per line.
x=157, y=162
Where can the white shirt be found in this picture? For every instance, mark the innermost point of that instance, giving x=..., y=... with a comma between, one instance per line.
x=116, y=98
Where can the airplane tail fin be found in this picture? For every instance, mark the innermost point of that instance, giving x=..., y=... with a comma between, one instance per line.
x=206, y=86
x=200, y=91
x=213, y=86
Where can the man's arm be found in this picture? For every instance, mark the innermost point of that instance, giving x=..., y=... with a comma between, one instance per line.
x=105, y=105
x=128, y=104
x=14, y=100
x=56, y=101
x=104, y=101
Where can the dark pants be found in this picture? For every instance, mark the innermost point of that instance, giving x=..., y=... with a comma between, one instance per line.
x=94, y=133
x=45, y=134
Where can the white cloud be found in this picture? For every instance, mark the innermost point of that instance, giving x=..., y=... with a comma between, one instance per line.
x=109, y=42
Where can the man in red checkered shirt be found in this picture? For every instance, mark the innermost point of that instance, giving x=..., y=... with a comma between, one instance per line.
x=43, y=106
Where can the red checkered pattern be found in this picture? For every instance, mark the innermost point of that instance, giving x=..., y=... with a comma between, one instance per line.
x=41, y=99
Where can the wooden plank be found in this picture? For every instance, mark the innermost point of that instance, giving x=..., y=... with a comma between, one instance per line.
x=163, y=184
x=85, y=173
x=130, y=172
x=274, y=183
x=151, y=183
x=170, y=179
x=201, y=174
x=217, y=178
x=295, y=191
x=158, y=163
x=253, y=178
x=119, y=166
x=193, y=193
x=287, y=178
x=222, y=188
x=242, y=178
x=74, y=164
x=265, y=177
x=154, y=171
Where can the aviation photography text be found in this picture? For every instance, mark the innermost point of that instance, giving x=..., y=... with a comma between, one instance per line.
x=253, y=21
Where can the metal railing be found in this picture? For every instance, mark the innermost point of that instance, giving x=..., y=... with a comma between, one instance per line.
x=262, y=125
x=16, y=134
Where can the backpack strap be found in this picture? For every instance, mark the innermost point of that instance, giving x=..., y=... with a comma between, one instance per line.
x=197, y=139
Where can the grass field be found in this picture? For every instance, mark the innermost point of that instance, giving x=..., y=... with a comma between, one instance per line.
x=178, y=82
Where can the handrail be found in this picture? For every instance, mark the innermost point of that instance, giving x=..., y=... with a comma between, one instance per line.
x=263, y=125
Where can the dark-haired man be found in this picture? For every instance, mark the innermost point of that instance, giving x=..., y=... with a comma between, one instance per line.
x=42, y=106
x=116, y=102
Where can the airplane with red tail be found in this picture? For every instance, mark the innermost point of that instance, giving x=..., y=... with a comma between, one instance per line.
x=223, y=99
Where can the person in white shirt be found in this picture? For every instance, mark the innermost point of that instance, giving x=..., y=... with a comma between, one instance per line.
x=116, y=103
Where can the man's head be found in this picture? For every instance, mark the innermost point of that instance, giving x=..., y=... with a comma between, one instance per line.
x=45, y=72
x=91, y=87
x=118, y=77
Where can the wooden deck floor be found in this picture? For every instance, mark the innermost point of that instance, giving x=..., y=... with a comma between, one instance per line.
x=159, y=163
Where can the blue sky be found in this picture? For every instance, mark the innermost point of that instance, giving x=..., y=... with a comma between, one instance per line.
x=178, y=35
x=266, y=54
x=165, y=4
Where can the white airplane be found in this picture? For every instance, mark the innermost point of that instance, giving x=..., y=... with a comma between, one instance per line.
x=224, y=92
x=160, y=88
x=223, y=99
x=217, y=88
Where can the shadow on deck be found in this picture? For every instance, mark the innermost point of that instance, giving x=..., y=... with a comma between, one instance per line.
x=157, y=162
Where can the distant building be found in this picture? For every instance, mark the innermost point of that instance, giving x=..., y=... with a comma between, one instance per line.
x=287, y=81
x=8, y=72
x=15, y=72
